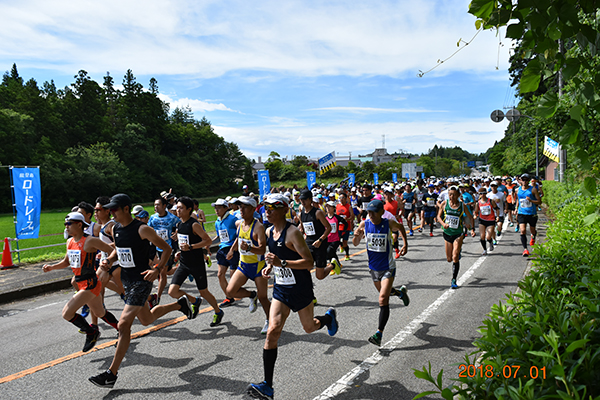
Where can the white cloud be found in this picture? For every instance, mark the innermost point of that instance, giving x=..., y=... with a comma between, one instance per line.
x=376, y=110
x=197, y=106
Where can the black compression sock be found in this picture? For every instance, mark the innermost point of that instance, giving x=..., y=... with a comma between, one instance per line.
x=483, y=244
x=524, y=241
x=324, y=320
x=384, y=315
x=110, y=319
x=455, y=268
x=347, y=248
x=82, y=324
x=269, y=358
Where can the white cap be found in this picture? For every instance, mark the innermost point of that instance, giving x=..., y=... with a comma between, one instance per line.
x=220, y=202
x=331, y=203
x=76, y=216
x=245, y=200
x=277, y=198
x=137, y=209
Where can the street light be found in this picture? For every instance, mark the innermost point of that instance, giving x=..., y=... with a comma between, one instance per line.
x=513, y=115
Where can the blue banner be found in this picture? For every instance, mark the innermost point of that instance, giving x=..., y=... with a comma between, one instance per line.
x=351, y=179
x=264, y=183
x=422, y=175
x=376, y=178
x=327, y=162
x=28, y=201
x=311, y=178
x=407, y=176
x=395, y=177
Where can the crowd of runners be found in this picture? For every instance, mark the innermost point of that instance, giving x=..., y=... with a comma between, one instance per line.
x=283, y=236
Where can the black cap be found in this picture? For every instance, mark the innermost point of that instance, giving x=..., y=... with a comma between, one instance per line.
x=375, y=206
x=526, y=177
x=306, y=194
x=118, y=201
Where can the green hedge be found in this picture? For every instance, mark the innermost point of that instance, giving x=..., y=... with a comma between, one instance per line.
x=552, y=326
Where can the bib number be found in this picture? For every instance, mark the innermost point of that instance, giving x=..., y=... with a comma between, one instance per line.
x=224, y=235
x=377, y=242
x=524, y=203
x=183, y=239
x=125, y=256
x=333, y=227
x=408, y=206
x=74, y=258
x=430, y=202
x=164, y=234
x=309, y=228
x=419, y=196
x=284, y=276
x=486, y=210
x=453, y=221
x=245, y=252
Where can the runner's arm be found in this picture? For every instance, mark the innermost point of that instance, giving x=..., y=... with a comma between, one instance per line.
x=359, y=233
x=199, y=231
x=396, y=226
x=64, y=263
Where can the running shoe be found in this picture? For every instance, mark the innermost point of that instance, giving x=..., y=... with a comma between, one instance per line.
x=337, y=268
x=196, y=307
x=453, y=284
x=492, y=246
x=265, y=328
x=253, y=302
x=217, y=318
x=401, y=294
x=431, y=234
x=420, y=230
x=511, y=224
x=106, y=379
x=186, y=307
x=376, y=339
x=208, y=262
x=85, y=311
x=93, y=326
x=410, y=233
x=191, y=277
x=397, y=255
x=260, y=390
x=314, y=301
x=517, y=228
x=91, y=339
x=498, y=233
x=495, y=242
x=332, y=327
x=525, y=253
x=484, y=253
x=227, y=302
x=347, y=258
x=341, y=249
x=532, y=241
x=154, y=300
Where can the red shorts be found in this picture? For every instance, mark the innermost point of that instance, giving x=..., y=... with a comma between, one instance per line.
x=84, y=286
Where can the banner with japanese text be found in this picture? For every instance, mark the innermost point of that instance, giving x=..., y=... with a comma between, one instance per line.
x=264, y=183
x=375, y=178
x=28, y=201
x=327, y=162
x=311, y=178
x=395, y=177
x=351, y=179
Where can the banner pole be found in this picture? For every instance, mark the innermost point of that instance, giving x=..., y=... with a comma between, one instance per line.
x=14, y=207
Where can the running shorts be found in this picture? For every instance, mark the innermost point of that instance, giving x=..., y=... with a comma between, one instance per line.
x=222, y=258
x=378, y=276
x=183, y=271
x=486, y=223
x=296, y=297
x=319, y=254
x=527, y=219
x=251, y=270
x=451, y=238
x=136, y=292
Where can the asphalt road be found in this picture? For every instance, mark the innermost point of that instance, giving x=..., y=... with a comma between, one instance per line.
x=39, y=351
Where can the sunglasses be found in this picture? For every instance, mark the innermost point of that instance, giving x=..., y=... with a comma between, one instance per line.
x=114, y=209
x=273, y=206
x=68, y=223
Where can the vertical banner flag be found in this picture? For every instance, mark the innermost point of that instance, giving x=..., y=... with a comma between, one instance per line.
x=551, y=149
x=311, y=178
x=376, y=178
x=422, y=175
x=327, y=162
x=28, y=201
x=264, y=183
x=395, y=177
x=407, y=175
x=351, y=179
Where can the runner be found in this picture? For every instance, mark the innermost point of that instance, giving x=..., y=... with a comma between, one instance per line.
x=391, y=206
x=192, y=238
x=382, y=264
x=452, y=224
x=430, y=207
x=408, y=200
x=251, y=245
x=500, y=199
x=316, y=229
x=333, y=239
x=164, y=223
x=81, y=256
x=226, y=233
x=132, y=241
x=290, y=259
x=528, y=201
x=344, y=210
x=420, y=191
x=510, y=201
x=486, y=210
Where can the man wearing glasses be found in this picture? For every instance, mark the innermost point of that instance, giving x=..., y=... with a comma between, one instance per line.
x=132, y=241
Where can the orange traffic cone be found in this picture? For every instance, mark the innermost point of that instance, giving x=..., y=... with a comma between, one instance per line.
x=6, y=256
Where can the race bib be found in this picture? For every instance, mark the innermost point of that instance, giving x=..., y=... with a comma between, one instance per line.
x=309, y=228
x=164, y=234
x=74, y=258
x=183, y=239
x=265, y=217
x=430, y=202
x=377, y=242
x=125, y=256
x=524, y=203
x=486, y=210
x=223, y=235
x=245, y=252
x=419, y=196
x=408, y=206
x=453, y=221
x=354, y=203
x=333, y=227
x=284, y=276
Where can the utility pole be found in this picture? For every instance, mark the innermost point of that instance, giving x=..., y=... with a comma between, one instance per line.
x=562, y=154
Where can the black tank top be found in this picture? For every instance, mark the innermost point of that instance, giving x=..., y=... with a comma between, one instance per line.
x=185, y=234
x=311, y=224
x=278, y=247
x=132, y=250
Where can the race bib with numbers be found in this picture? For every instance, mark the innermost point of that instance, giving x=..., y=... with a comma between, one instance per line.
x=408, y=206
x=453, y=221
x=333, y=227
x=309, y=228
x=164, y=234
x=245, y=252
x=486, y=210
x=524, y=203
x=377, y=242
x=125, y=256
x=284, y=276
x=223, y=235
x=74, y=258
x=419, y=196
x=183, y=239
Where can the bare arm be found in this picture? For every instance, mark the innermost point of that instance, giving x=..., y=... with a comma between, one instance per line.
x=396, y=226
x=359, y=233
x=64, y=263
x=150, y=234
x=296, y=242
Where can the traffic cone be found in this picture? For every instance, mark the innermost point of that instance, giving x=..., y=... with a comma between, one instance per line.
x=6, y=256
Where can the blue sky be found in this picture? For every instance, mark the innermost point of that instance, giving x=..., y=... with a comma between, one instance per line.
x=295, y=77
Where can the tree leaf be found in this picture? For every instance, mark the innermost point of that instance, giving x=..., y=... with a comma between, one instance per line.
x=589, y=186
x=591, y=219
x=530, y=80
x=514, y=31
x=577, y=345
x=540, y=354
x=575, y=112
x=423, y=394
x=584, y=158
x=568, y=131
x=482, y=8
x=571, y=68
x=548, y=104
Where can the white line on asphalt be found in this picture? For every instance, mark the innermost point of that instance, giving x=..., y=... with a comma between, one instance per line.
x=347, y=380
x=10, y=314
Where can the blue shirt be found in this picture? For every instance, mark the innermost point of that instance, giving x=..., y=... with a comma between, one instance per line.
x=526, y=207
x=226, y=230
x=164, y=226
x=379, y=245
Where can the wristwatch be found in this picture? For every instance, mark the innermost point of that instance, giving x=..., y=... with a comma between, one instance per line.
x=284, y=263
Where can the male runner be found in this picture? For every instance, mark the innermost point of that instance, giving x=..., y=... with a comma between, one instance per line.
x=225, y=225
x=430, y=207
x=528, y=199
x=132, y=241
x=382, y=264
x=291, y=261
x=408, y=201
x=316, y=229
x=500, y=199
x=81, y=257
